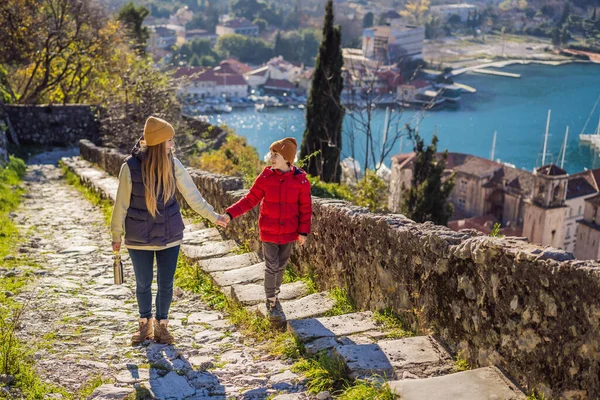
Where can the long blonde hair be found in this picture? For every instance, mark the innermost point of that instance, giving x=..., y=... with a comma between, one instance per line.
x=157, y=175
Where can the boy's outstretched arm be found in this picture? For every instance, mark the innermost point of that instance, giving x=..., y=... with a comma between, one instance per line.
x=305, y=210
x=254, y=196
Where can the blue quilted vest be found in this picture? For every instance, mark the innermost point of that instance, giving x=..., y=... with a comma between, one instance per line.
x=141, y=229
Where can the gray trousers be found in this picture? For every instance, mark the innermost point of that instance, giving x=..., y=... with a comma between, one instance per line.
x=276, y=259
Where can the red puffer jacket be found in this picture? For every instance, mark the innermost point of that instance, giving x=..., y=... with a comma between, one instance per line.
x=285, y=209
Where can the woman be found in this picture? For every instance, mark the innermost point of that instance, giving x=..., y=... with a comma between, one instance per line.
x=147, y=211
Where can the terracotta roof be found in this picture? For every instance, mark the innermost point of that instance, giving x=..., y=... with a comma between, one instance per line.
x=551, y=170
x=187, y=71
x=221, y=77
x=236, y=65
x=419, y=83
x=238, y=23
x=472, y=165
x=279, y=84
x=484, y=224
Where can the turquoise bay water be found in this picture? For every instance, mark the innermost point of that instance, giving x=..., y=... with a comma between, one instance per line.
x=515, y=108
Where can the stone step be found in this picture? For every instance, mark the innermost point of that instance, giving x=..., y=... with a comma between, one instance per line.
x=314, y=305
x=478, y=384
x=329, y=342
x=230, y=262
x=251, y=294
x=201, y=236
x=251, y=274
x=420, y=356
x=208, y=250
x=307, y=330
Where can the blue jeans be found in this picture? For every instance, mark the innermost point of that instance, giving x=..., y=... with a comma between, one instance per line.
x=143, y=266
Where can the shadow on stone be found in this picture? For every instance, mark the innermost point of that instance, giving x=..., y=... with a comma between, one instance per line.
x=172, y=376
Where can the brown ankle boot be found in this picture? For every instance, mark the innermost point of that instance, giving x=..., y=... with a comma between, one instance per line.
x=161, y=333
x=145, y=331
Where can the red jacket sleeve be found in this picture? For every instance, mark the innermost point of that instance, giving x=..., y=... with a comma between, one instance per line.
x=254, y=196
x=305, y=209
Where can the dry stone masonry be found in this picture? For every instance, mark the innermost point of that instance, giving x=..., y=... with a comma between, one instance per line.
x=533, y=312
x=58, y=125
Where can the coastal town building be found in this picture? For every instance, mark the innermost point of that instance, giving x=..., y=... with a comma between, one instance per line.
x=164, y=36
x=221, y=81
x=194, y=34
x=588, y=231
x=392, y=43
x=547, y=205
x=275, y=69
x=239, y=26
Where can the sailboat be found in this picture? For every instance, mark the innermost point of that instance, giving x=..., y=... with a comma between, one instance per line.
x=594, y=138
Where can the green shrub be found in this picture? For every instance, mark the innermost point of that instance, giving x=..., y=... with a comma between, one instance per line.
x=330, y=190
x=235, y=158
x=372, y=192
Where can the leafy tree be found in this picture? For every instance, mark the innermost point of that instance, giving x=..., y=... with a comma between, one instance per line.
x=324, y=112
x=368, y=20
x=427, y=198
x=133, y=17
x=246, y=49
x=372, y=191
x=432, y=27
x=415, y=10
x=262, y=24
x=248, y=9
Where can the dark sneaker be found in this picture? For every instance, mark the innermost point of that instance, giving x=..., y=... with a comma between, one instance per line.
x=275, y=312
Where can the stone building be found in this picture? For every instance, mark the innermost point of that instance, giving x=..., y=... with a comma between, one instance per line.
x=239, y=26
x=390, y=44
x=588, y=231
x=545, y=209
x=544, y=206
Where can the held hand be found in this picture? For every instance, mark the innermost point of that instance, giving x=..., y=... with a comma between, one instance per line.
x=301, y=240
x=116, y=246
x=223, y=220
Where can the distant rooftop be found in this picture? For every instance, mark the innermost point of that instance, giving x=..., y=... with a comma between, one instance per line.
x=238, y=23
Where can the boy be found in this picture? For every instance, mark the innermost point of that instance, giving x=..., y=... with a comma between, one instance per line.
x=283, y=192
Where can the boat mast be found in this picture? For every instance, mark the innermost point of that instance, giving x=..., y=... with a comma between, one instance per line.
x=493, y=147
x=546, y=139
x=564, y=149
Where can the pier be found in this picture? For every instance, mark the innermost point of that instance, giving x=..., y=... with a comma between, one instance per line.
x=497, y=73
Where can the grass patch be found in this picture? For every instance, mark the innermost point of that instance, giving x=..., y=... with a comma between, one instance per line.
x=367, y=390
x=290, y=276
x=536, y=396
x=104, y=204
x=16, y=357
x=323, y=372
x=343, y=302
x=91, y=385
x=460, y=363
x=393, y=324
x=286, y=345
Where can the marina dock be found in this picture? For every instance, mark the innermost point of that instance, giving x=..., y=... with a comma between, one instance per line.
x=497, y=73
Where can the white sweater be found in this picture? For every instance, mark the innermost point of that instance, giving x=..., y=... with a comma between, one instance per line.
x=186, y=187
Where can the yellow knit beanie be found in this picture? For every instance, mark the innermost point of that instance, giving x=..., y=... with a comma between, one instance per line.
x=157, y=131
x=286, y=147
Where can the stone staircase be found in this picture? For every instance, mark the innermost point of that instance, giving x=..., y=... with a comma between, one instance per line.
x=415, y=368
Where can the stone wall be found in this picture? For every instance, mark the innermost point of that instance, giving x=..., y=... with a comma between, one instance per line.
x=54, y=125
x=532, y=311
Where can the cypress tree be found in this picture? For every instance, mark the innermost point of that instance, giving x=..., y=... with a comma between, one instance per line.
x=594, y=14
x=324, y=111
x=427, y=198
